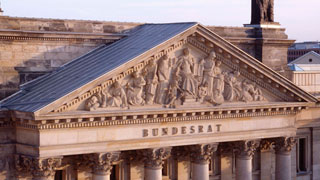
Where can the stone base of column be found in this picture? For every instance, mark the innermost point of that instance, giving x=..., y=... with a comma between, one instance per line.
x=200, y=171
x=153, y=173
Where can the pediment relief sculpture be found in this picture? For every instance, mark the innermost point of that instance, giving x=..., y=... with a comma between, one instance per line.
x=182, y=78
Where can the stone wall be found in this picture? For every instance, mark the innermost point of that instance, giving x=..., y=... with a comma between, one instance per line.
x=31, y=47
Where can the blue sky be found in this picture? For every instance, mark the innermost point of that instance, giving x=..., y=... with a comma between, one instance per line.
x=300, y=18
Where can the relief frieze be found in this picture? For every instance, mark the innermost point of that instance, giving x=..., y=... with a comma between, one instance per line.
x=182, y=78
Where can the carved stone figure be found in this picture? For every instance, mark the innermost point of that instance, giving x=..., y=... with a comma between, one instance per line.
x=208, y=65
x=92, y=103
x=135, y=89
x=185, y=69
x=231, y=89
x=262, y=11
x=163, y=76
x=174, y=93
x=218, y=88
x=218, y=84
x=150, y=72
x=117, y=96
x=257, y=93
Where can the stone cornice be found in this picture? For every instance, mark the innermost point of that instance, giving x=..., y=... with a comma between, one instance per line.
x=58, y=36
x=240, y=56
x=100, y=119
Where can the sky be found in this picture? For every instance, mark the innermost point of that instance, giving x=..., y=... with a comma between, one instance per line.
x=301, y=18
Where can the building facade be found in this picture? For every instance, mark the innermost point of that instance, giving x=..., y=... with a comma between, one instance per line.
x=152, y=101
x=299, y=49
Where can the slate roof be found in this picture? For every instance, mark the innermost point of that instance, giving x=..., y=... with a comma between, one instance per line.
x=73, y=75
x=302, y=60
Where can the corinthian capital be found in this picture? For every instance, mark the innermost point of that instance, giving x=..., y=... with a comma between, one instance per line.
x=284, y=144
x=202, y=153
x=246, y=149
x=101, y=163
x=153, y=158
x=38, y=167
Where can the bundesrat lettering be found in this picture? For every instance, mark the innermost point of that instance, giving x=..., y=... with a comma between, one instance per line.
x=180, y=130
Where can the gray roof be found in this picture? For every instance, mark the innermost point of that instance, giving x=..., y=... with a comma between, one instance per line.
x=73, y=75
x=302, y=60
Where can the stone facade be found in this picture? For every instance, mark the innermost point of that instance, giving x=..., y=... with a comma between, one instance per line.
x=139, y=134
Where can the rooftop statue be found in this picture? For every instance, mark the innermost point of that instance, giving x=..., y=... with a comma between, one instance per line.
x=262, y=11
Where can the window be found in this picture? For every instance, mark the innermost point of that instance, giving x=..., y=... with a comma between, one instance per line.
x=302, y=155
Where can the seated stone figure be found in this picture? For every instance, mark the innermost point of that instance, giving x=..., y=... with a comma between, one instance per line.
x=135, y=89
x=117, y=96
x=92, y=103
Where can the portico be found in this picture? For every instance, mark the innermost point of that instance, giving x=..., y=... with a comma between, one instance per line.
x=179, y=102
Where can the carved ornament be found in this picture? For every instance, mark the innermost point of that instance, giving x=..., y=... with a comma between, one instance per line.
x=153, y=158
x=284, y=144
x=202, y=153
x=101, y=163
x=38, y=167
x=246, y=149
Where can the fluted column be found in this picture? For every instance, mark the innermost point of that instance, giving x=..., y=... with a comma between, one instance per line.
x=153, y=160
x=101, y=164
x=244, y=153
x=283, y=147
x=200, y=156
x=40, y=168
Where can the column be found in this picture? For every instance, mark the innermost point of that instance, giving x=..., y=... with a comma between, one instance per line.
x=40, y=168
x=283, y=147
x=266, y=159
x=244, y=153
x=153, y=159
x=200, y=156
x=101, y=164
x=226, y=151
x=182, y=163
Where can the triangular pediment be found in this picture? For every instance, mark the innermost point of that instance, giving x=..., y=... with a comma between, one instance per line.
x=193, y=69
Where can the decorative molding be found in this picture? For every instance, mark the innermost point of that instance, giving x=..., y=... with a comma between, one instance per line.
x=266, y=145
x=193, y=115
x=101, y=163
x=201, y=154
x=153, y=158
x=246, y=149
x=237, y=65
x=120, y=76
x=284, y=145
x=38, y=167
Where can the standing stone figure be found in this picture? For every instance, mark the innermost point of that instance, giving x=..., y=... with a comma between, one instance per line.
x=150, y=72
x=208, y=72
x=262, y=11
x=163, y=76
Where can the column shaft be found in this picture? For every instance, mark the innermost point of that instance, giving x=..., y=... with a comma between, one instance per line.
x=283, y=166
x=153, y=173
x=283, y=147
x=100, y=176
x=200, y=171
x=244, y=168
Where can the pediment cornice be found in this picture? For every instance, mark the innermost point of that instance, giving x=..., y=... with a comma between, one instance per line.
x=202, y=41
